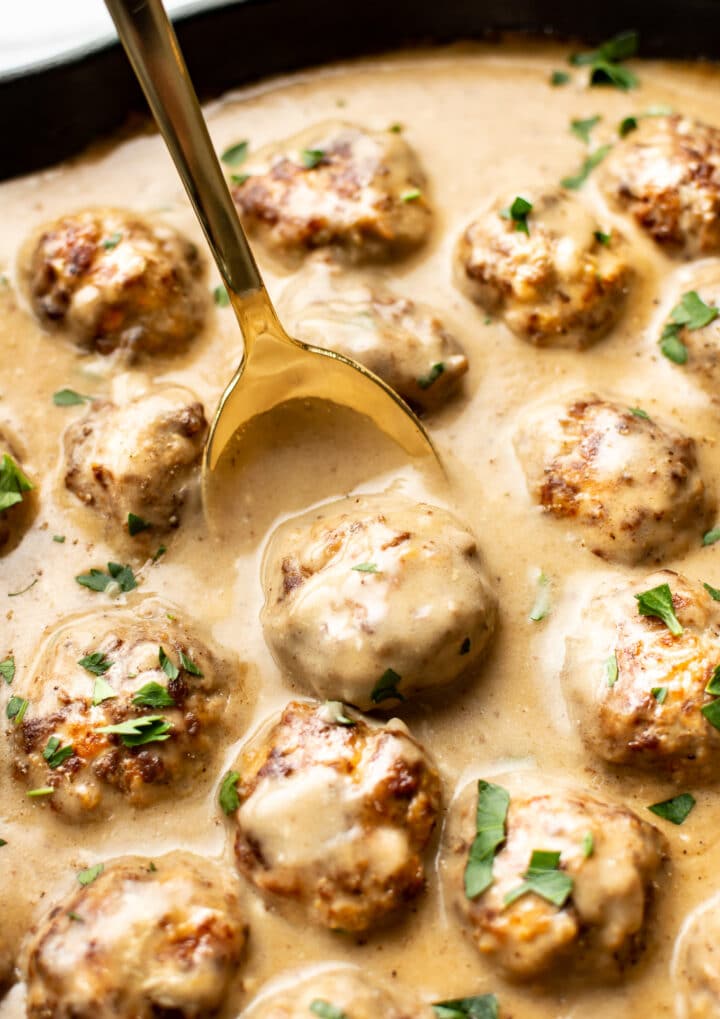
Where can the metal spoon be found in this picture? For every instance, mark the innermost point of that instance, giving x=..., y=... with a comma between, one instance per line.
x=275, y=368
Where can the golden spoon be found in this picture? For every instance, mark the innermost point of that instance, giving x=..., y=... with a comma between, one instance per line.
x=275, y=368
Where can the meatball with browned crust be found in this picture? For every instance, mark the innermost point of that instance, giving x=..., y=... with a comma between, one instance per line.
x=570, y=886
x=375, y=598
x=141, y=457
x=334, y=813
x=122, y=705
x=116, y=280
x=637, y=689
x=18, y=496
x=552, y=275
x=633, y=486
x=335, y=991
x=142, y=939
x=336, y=185
x=407, y=344
x=666, y=175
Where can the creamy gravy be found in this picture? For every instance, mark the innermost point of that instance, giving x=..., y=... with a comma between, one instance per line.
x=483, y=120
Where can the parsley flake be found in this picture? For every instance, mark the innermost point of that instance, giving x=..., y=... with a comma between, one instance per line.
x=45, y=790
x=97, y=663
x=136, y=524
x=228, y=796
x=659, y=693
x=638, y=412
x=603, y=238
x=55, y=754
x=658, y=602
x=326, y=1010
x=240, y=178
x=236, y=154
x=604, y=62
x=69, y=398
x=189, y=665
x=111, y=242
x=710, y=537
x=98, y=580
x=102, y=691
x=611, y=670
x=169, y=667
x=582, y=128
x=153, y=695
x=691, y=313
x=544, y=878
x=7, y=669
x=576, y=181
x=365, y=568
x=676, y=809
x=425, y=381
x=712, y=591
x=518, y=212
x=90, y=874
x=588, y=844
x=490, y=818
x=559, y=78
x=411, y=195
x=334, y=713
x=13, y=483
x=481, y=1006
x=221, y=296
x=310, y=158
x=136, y=732
x=541, y=605
x=15, y=709
x=386, y=688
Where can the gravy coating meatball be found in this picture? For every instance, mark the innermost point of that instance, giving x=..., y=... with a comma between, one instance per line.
x=556, y=283
x=146, y=938
x=701, y=342
x=374, y=598
x=633, y=486
x=696, y=964
x=18, y=497
x=605, y=860
x=344, y=989
x=336, y=185
x=666, y=175
x=636, y=689
x=334, y=814
x=140, y=457
x=121, y=705
x=405, y=343
x=114, y=279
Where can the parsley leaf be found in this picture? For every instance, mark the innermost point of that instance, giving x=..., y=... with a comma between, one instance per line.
x=541, y=605
x=102, y=691
x=659, y=693
x=310, y=158
x=693, y=312
x=713, y=686
x=482, y=1006
x=98, y=580
x=712, y=591
x=12, y=483
x=229, y=797
x=90, y=874
x=169, y=667
x=15, y=709
x=638, y=412
x=189, y=665
x=577, y=180
x=69, y=398
x=582, y=128
x=425, y=381
x=588, y=844
x=611, y=669
x=7, y=669
x=603, y=238
x=221, y=296
x=136, y=524
x=334, y=712
x=490, y=818
x=559, y=78
x=386, y=687
x=111, y=242
x=544, y=878
x=658, y=602
x=136, y=732
x=153, y=695
x=604, y=61
x=365, y=568
x=326, y=1010
x=411, y=195
x=236, y=154
x=97, y=663
x=710, y=537
x=518, y=212
x=45, y=790
x=626, y=125
x=711, y=712
x=676, y=809
x=55, y=754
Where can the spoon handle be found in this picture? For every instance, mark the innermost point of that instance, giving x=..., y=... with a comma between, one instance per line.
x=152, y=48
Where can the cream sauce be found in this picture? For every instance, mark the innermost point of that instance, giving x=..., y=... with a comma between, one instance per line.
x=484, y=120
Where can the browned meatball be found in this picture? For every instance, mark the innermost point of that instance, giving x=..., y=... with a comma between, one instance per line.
x=334, y=813
x=606, y=865
x=114, y=279
x=667, y=176
x=141, y=457
x=145, y=938
x=632, y=485
x=343, y=988
x=375, y=598
x=405, y=343
x=560, y=284
x=637, y=689
x=18, y=495
x=336, y=185
x=121, y=705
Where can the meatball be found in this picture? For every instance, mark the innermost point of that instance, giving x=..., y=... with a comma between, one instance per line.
x=122, y=704
x=145, y=938
x=696, y=964
x=702, y=342
x=560, y=282
x=666, y=175
x=374, y=598
x=345, y=989
x=633, y=485
x=334, y=813
x=141, y=457
x=636, y=689
x=116, y=280
x=18, y=496
x=405, y=343
x=336, y=185
x=591, y=916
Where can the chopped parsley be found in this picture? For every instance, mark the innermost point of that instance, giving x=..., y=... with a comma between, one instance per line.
x=676, y=809
x=603, y=238
x=44, y=790
x=55, y=753
x=482, y=1006
x=577, y=180
x=23, y=590
x=3, y=842
x=153, y=695
x=425, y=381
x=13, y=483
x=75, y=917
x=15, y=709
x=365, y=568
x=627, y=125
x=7, y=669
x=544, y=878
x=102, y=691
x=659, y=693
x=310, y=158
x=713, y=686
x=169, y=667
x=334, y=712
x=386, y=688
x=136, y=732
x=97, y=663
x=111, y=242
x=611, y=670
x=221, y=296
x=492, y=807
x=541, y=605
x=59, y=538
x=136, y=524
x=691, y=313
x=239, y=178
x=588, y=845
x=582, y=128
x=518, y=212
x=236, y=154
x=712, y=591
x=229, y=797
x=69, y=398
x=638, y=412
x=604, y=62
x=411, y=195
x=90, y=874
x=162, y=549
x=189, y=665
x=465, y=646
x=559, y=78
x=658, y=602
x=395, y=128
x=98, y=580
x=710, y=537
x=326, y=1010
x=711, y=712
